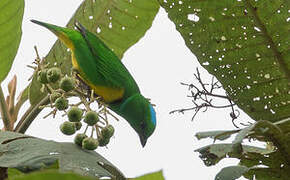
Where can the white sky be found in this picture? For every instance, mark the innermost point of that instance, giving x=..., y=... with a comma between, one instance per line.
x=158, y=62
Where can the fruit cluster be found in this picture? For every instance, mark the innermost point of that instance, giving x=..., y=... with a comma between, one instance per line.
x=60, y=88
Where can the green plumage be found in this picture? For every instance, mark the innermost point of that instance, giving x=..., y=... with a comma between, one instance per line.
x=102, y=70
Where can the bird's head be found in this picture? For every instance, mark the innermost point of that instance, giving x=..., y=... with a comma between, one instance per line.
x=66, y=35
x=138, y=111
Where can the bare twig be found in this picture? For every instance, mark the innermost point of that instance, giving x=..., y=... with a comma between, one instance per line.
x=203, y=97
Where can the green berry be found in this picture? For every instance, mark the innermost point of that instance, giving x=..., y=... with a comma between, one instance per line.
x=78, y=125
x=67, y=84
x=41, y=76
x=79, y=139
x=61, y=103
x=108, y=131
x=53, y=74
x=75, y=114
x=67, y=128
x=103, y=141
x=90, y=143
x=54, y=96
x=91, y=118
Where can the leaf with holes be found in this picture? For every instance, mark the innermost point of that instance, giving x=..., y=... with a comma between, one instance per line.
x=273, y=165
x=120, y=24
x=27, y=154
x=220, y=135
x=10, y=33
x=245, y=44
x=213, y=153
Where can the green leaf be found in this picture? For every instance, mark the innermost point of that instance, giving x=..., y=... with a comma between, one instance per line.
x=152, y=176
x=220, y=135
x=13, y=172
x=231, y=173
x=28, y=154
x=10, y=33
x=48, y=175
x=265, y=173
x=245, y=44
x=120, y=25
x=212, y=154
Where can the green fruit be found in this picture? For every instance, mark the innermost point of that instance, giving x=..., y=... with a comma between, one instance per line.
x=53, y=74
x=78, y=125
x=67, y=128
x=91, y=118
x=54, y=96
x=61, y=103
x=103, y=141
x=67, y=84
x=108, y=131
x=41, y=76
x=90, y=143
x=79, y=139
x=75, y=114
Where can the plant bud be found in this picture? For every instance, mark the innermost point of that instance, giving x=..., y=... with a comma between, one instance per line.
x=90, y=143
x=79, y=138
x=41, y=76
x=67, y=128
x=91, y=118
x=103, y=141
x=67, y=84
x=75, y=114
x=108, y=131
x=53, y=74
x=61, y=103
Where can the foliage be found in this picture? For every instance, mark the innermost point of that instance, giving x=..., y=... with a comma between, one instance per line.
x=47, y=175
x=120, y=24
x=152, y=176
x=27, y=154
x=245, y=45
x=10, y=34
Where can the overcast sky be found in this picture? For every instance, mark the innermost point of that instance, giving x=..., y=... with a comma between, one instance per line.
x=158, y=62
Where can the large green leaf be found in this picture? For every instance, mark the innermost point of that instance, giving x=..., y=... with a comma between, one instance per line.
x=10, y=33
x=120, y=24
x=152, y=176
x=245, y=44
x=28, y=153
x=48, y=175
x=231, y=173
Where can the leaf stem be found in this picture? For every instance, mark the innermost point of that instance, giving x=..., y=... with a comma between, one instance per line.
x=30, y=115
x=4, y=112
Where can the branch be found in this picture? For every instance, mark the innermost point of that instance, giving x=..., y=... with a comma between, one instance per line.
x=203, y=95
x=30, y=115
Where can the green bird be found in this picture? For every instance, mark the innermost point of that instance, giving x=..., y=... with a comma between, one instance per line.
x=99, y=67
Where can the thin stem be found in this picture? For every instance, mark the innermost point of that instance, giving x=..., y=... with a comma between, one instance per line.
x=30, y=115
x=4, y=112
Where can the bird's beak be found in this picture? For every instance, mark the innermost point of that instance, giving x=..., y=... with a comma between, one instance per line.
x=143, y=141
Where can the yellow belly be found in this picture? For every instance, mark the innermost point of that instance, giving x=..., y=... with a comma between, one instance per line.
x=108, y=94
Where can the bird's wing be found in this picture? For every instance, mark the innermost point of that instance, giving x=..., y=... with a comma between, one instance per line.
x=114, y=73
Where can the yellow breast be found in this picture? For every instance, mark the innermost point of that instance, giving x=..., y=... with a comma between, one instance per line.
x=108, y=94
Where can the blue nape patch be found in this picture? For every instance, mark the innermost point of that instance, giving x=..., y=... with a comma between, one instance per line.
x=153, y=115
